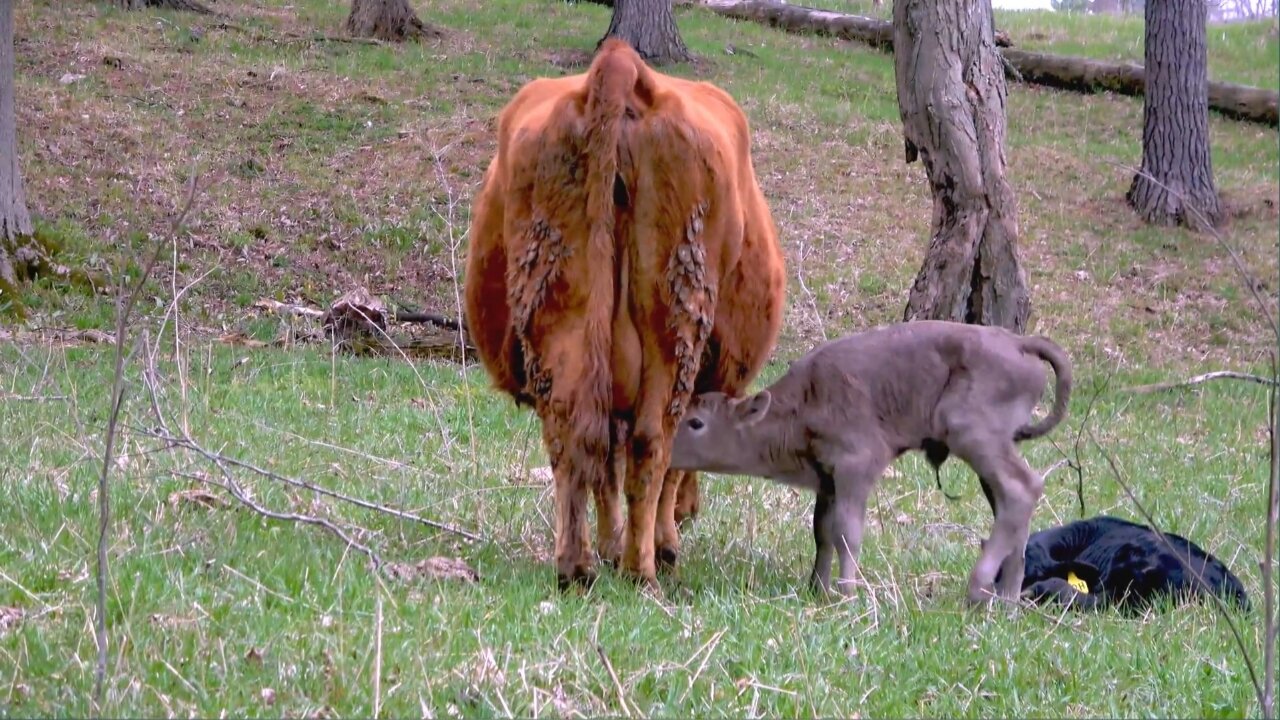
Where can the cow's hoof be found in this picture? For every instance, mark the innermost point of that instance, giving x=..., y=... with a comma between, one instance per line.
x=685, y=519
x=667, y=556
x=582, y=578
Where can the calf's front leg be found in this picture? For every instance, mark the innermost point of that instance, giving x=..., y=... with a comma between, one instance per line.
x=820, y=577
x=839, y=521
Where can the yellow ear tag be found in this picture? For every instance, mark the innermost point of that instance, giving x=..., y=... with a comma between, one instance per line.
x=1074, y=581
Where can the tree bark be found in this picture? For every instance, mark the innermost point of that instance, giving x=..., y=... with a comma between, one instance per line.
x=649, y=26
x=951, y=97
x=389, y=20
x=1175, y=183
x=16, y=241
x=1240, y=102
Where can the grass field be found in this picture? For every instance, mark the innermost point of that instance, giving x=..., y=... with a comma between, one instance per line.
x=328, y=164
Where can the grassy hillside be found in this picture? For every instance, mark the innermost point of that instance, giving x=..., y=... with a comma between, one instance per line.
x=327, y=163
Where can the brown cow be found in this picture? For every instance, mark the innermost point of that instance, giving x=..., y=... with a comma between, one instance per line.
x=621, y=257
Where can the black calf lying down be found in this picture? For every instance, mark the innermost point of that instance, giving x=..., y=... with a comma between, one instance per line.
x=1108, y=562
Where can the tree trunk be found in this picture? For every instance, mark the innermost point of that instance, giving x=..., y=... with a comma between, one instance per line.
x=1175, y=184
x=389, y=20
x=951, y=96
x=1240, y=102
x=16, y=241
x=650, y=27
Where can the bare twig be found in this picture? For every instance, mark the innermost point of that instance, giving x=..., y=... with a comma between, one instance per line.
x=1075, y=463
x=280, y=308
x=190, y=444
x=1198, y=379
x=229, y=484
x=617, y=685
x=1271, y=628
x=377, y=658
x=125, y=302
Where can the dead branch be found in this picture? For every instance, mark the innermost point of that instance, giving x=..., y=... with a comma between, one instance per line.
x=617, y=685
x=1199, y=379
x=280, y=308
x=190, y=444
x=230, y=485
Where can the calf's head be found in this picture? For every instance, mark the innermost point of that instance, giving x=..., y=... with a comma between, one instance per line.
x=719, y=434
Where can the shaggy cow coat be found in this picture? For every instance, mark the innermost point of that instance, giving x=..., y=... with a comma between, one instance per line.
x=621, y=256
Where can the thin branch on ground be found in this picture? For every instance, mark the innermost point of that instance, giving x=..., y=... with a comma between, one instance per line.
x=1199, y=379
x=617, y=685
x=230, y=485
x=188, y=443
x=125, y=302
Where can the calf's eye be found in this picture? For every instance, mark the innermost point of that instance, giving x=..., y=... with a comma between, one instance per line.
x=696, y=424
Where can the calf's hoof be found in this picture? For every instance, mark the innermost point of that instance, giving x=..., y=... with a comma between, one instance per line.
x=980, y=597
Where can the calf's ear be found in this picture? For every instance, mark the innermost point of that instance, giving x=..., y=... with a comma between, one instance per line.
x=752, y=409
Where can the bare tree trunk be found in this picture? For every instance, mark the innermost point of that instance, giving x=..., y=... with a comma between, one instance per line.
x=951, y=96
x=1175, y=184
x=390, y=20
x=649, y=26
x=16, y=240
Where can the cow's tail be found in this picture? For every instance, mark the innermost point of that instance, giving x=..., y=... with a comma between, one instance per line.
x=610, y=82
x=1050, y=352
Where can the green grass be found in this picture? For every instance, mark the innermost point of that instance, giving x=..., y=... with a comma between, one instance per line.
x=210, y=606
x=328, y=165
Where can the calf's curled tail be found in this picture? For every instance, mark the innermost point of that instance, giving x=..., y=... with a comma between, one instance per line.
x=1050, y=352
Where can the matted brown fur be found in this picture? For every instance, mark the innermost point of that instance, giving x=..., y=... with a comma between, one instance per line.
x=621, y=257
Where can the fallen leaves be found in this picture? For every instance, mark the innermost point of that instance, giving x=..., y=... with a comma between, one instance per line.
x=434, y=568
x=198, y=497
x=9, y=618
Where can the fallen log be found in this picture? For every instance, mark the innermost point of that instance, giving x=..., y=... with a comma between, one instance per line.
x=1240, y=102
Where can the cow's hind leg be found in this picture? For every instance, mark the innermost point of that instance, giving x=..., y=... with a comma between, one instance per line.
x=575, y=432
x=572, y=467
x=608, y=496
x=677, y=506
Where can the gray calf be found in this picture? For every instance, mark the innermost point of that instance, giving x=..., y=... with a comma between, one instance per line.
x=847, y=409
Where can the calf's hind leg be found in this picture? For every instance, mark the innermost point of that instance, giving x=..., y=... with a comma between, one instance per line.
x=1013, y=490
